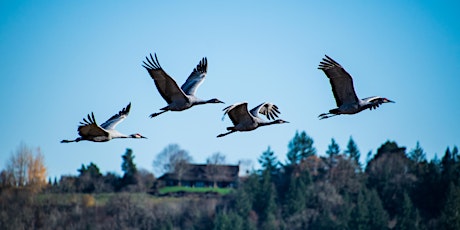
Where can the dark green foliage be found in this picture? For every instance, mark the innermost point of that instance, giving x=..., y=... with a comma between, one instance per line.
x=408, y=218
x=92, y=170
x=388, y=173
x=450, y=217
x=352, y=151
x=297, y=193
x=300, y=147
x=129, y=168
x=228, y=220
x=417, y=154
x=333, y=149
x=397, y=190
x=269, y=162
x=90, y=179
x=265, y=200
x=360, y=213
x=378, y=217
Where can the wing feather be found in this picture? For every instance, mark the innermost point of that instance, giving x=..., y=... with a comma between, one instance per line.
x=112, y=122
x=341, y=81
x=196, y=78
x=270, y=110
x=238, y=113
x=89, y=129
x=166, y=86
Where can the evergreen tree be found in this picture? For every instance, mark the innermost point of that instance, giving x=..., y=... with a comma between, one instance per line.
x=92, y=170
x=297, y=193
x=333, y=149
x=300, y=147
x=243, y=205
x=353, y=152
x=265, y=202
x=450, y=217
x=378, y=217
x=455, y=154
x=360, y=214
x=89, y=179
x=417, y=155
x=129, y=168
x=229, y=220
x=408, y=218
x=269, y=162
x=427, y=194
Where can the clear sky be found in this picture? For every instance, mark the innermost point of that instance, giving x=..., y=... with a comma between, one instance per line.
x=61, y=60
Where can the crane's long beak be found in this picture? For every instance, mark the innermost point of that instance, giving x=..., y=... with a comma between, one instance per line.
x=389, y=101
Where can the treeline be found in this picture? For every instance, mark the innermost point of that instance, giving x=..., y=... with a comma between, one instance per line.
x=395, y=189
x=91, y=180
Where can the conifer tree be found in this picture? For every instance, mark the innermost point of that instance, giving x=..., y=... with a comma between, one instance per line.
x=408, y=218
x=353, y=152
x=300, y=147
x=333, y=149
x=265, y=200
x=129, y=168
x=269, y=162
x=450, y=217
x=360, y=214
x=297, y=193
x=417, y=154
x=378, y=217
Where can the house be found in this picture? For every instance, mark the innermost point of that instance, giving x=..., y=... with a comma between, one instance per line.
x=202, y=175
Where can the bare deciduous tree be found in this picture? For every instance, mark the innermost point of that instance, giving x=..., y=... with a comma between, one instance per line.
x=172, y=160
x=26, y=168
x=212, y=166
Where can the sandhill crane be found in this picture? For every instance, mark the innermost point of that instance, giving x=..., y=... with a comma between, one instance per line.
x=344, y=93
x=89, y=130
x=178, y=99
x=244, y=120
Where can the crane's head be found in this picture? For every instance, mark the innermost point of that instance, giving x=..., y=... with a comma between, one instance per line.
x=386, y=100
x=280, y=121
x=215, y=101
x=137, y=135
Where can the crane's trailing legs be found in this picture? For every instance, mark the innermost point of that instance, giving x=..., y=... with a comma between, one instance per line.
x=232, y=130
x=156, y=114
x=68, y=141
x=326, y=115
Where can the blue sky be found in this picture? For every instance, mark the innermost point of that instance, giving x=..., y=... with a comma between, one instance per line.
x=61, y=60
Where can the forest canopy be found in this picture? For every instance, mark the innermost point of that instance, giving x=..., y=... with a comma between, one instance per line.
x=395, y=188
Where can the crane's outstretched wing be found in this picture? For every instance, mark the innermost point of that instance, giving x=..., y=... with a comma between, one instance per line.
x=167, y=87
x=341, y=81
x=268, y=109
x=238, y=113
x=112, y=122
x=196, y=78
x=89, y=129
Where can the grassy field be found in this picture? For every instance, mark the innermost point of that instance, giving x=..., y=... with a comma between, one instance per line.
x=91, y=199
x=102, y=198
x=221, y=191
